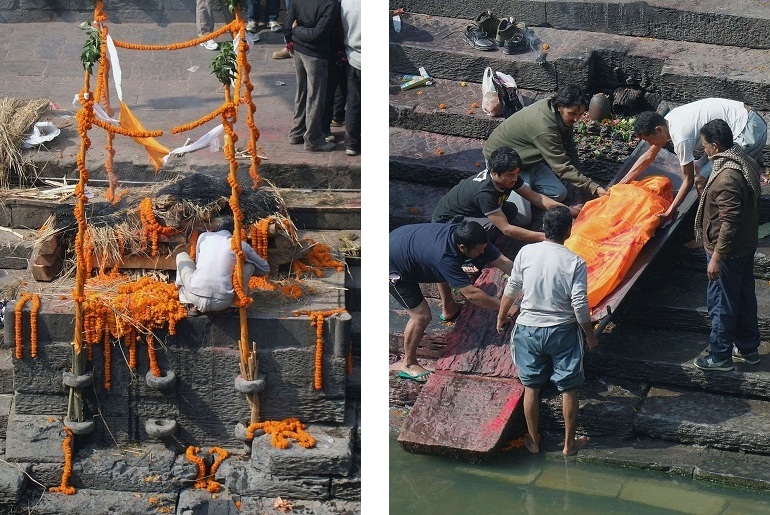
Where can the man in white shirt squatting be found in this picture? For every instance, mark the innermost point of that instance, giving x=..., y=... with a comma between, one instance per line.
x=207, y=282
x=547, y=340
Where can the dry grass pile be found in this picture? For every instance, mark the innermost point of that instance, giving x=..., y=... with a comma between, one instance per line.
x=17, y=118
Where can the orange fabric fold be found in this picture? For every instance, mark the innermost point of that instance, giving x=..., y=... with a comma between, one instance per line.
x=610, y=231
x=155, y=150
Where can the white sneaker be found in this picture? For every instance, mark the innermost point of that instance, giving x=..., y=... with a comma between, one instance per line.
x=274, y=26
x=210, y=45
x=251, y=26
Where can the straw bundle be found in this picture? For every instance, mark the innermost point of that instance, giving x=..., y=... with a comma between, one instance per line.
x=17, y=117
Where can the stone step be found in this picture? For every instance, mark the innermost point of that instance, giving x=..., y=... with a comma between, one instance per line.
x=681, y=72
x=418, y=110
x=740, y=23
x=695, y=259
x=6, y=369
x=664, y=356
x=714, y=420
x=16, y=247
x=675, y=299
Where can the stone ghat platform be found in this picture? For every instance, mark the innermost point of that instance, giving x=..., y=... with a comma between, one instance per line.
x=204, y=356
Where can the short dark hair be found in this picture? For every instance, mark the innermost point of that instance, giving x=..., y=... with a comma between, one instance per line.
x=557, y=222
x=646, y=122
x=226, y=223
x=717, y=131
x=504, y=159
x=470, y=234
x=570, y=95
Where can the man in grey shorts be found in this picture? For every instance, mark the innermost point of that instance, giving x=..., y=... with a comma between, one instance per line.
x=547, y=340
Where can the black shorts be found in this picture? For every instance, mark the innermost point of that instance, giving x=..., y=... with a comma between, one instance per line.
x=407, y=293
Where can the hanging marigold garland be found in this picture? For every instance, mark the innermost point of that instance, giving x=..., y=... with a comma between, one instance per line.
x=107, y=347
x=64, y=487
x=178, y=46
x=281, y=430
x=150, y=227
x=317, y=321
x=33, y=324
x=193, y=243
x=154, y=368
x=17, y=323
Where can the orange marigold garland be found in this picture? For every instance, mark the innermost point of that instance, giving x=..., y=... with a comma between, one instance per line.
x=317, y=321
x=154, y=368
x=65, y=478
x=222, y=455
x=17, y=327
x=150, y=226
x=191, y=455
x=107, y=361
x=281, y=430
x=193, y=243
x=33, y=324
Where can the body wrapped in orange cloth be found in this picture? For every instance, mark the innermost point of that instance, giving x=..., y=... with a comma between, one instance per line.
x=610, y=231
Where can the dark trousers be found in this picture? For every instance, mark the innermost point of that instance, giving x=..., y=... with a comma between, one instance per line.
x=732, y=305
x=353, y=115
x=336, y=94
x=271, y=10
x=309, y=99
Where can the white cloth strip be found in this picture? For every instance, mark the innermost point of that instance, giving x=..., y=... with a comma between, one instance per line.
x=117, y=75
x=202, y=142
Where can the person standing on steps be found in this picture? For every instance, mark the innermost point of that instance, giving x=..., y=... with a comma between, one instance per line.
x=435, y=253
x=682, y=127
x=552, y=325
x=204, y=19
x=541, y=134
x=283, y=53
x=308, y=29
x=727, y=222
x=351, y=23
x=271, y=13
x=484, y=198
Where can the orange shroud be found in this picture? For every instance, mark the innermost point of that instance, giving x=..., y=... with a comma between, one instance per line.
x=610, y=231
x=155, y=150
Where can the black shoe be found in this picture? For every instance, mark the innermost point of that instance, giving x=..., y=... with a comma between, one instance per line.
x=711, y=363
x=516, y=44
x=505, y=31
x=752, y=358
x=478, y=39
x=488, y=22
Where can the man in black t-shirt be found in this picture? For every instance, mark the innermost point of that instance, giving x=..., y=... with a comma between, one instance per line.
x=435, y=253
x=482, y=198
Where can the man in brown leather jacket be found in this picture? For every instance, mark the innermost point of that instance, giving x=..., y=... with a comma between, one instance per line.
x=726, y=222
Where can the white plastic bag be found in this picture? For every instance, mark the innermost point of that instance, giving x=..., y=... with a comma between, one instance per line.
x=41, y=132
x=490, y=102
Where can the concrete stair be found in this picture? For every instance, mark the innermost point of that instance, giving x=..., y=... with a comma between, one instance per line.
x=740, y=23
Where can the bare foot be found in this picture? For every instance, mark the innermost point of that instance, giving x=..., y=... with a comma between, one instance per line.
x=532, y=444
x=577, y=444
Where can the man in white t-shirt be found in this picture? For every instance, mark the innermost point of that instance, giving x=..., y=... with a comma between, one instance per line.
x=682, y=127
x=207, y=283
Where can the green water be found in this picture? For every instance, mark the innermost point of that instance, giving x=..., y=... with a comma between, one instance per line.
x=517, y=482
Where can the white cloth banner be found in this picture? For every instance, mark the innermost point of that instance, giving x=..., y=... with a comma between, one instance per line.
x=203, y=142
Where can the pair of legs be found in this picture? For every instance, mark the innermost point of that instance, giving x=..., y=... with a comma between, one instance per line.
x=204, y=16
x=336, y=94
x=353, y=108
x=271, y=10
x=552, y=353
x=732, y=306
x=408, y=294
x=540, y=178
x=309, y=101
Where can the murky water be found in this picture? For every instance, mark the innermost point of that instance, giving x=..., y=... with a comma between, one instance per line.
x=520, y=483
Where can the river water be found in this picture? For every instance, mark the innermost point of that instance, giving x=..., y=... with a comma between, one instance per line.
x=517, y=482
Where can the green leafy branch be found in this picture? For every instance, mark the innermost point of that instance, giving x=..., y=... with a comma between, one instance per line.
x=91, y=48
x=232, y=5
x=223, y=67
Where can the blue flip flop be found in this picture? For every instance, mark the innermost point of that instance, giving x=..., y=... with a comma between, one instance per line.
x=417, y=378
x=452, y=318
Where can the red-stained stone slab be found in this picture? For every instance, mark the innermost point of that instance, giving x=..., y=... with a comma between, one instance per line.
x=473, y=346
x=460, y=416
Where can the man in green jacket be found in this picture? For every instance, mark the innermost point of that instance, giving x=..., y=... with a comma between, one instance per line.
x=541, y=134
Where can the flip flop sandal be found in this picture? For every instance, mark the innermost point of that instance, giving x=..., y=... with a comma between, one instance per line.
x=452, y=318
x=421, y=378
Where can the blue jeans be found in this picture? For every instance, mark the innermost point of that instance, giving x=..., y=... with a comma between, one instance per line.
x=732, y=305
x=271, y=10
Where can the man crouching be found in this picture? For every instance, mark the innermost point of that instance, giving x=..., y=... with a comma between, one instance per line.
x=547, y=340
